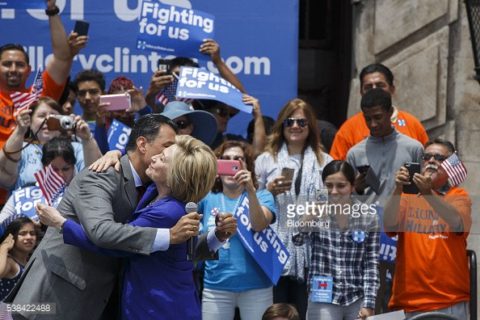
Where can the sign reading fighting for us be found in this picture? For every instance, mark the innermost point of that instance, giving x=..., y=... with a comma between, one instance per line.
x=260, y=48
x=174, y=30
x=25, y=200
x=195, y=83
x=264, y=246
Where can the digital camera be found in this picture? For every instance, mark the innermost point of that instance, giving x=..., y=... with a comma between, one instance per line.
x=57, y=122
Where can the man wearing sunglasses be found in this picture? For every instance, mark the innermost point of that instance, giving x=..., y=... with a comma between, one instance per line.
x=432, y=229
x=196, y=123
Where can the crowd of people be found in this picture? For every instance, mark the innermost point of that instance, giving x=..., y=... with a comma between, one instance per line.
x=124, y=238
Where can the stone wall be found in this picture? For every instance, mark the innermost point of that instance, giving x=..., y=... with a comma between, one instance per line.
x=427, y=45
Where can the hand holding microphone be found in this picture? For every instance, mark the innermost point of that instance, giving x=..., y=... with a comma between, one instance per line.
x=186, y=227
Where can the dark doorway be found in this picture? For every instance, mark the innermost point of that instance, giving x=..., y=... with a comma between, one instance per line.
x=324, y=60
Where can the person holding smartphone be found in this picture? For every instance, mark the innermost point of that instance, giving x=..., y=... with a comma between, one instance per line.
x=236, y=279
x=432, y=228
x=294, y=143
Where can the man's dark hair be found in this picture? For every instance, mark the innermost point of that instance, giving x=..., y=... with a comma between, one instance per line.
x=148, y=126
x=447, y=144
x=182, y=62
x=377, y=67
x=376, y=97
x=15, y=46
x=90, y=75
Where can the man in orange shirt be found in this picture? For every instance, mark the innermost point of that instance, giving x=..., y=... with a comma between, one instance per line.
x=355, y=128
x=15, y=70
x=432, y=268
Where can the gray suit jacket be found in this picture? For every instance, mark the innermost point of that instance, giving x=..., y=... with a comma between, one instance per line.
x=77, y=281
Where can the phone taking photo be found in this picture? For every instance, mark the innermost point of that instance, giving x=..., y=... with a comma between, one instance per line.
x=228, y=167
x=116, y=102
x=81, y=27
x=163, y=65
x=412, y=167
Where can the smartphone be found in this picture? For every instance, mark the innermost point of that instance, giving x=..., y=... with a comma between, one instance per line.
x=363, y=169
x=288, y=173
x=81, y=27
x=228, y=167
x=413, y=168
x=163, y=65
x=120, y=101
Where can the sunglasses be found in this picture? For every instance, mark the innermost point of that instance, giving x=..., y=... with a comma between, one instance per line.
x=238, y=158
x=436, y=156
x=182, y=124
x=222, y=112
x=301, y=122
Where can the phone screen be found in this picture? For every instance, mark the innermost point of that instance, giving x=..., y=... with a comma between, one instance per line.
x=81, y=27
x=413, y=168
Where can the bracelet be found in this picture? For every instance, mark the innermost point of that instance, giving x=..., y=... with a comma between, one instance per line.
x=7, y=155
x=52, y=12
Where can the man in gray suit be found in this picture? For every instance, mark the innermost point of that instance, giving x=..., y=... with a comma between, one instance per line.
x=79, y=282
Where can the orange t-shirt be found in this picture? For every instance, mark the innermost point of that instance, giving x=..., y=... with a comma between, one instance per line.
x=7, y=120
x=355, y=130
x=431, y=269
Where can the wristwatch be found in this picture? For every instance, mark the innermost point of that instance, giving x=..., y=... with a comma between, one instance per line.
x=52, y=12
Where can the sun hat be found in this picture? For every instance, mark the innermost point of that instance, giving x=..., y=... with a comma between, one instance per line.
x=204, y=123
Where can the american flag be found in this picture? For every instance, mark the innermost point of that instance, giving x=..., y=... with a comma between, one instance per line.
x=51, y=184
x=455, y=169
x=23, y=100
x=168, y=93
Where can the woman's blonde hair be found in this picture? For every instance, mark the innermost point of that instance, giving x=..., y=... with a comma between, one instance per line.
x=276, y=138
x=193, y=170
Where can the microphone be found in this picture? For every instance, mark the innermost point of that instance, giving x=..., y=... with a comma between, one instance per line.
x=189, y=208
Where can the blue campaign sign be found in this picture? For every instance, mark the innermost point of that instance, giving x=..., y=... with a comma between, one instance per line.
x=195, y=83
x=23, y=4
x=118, y=135
x=265, y=247
x=258, y=42
x=174, y=30
x=25, y=199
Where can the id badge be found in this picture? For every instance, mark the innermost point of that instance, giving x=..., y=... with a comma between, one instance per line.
x=321, y=289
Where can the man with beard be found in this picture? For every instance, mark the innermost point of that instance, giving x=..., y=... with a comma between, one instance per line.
x=432, y=228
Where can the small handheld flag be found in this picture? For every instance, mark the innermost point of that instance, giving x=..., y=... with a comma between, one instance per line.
x=455, y=169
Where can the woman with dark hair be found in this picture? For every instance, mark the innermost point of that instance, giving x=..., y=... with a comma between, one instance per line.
x=345, y=246
x=16, y=245
x=21, y=158
x=236, y=279
x=60, y=154
x=293, y=147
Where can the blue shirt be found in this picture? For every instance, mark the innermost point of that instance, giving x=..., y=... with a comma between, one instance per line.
x=235, y=270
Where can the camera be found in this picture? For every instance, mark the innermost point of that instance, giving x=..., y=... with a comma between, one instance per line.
x=57, y=122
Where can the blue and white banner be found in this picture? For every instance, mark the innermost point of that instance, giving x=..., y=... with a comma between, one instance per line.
x=388, y=245
x=23, y=4
x=25, y=199
x=260, y=48
x=194, y=83
x=118, y=135
x=265, y=246
x=174, y=30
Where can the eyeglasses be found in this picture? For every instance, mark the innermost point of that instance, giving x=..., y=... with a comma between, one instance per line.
x=182, y=124
x=238, y=158
x=436, y=156
x=222, y=112
x=301, y=122
x=92, y=92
